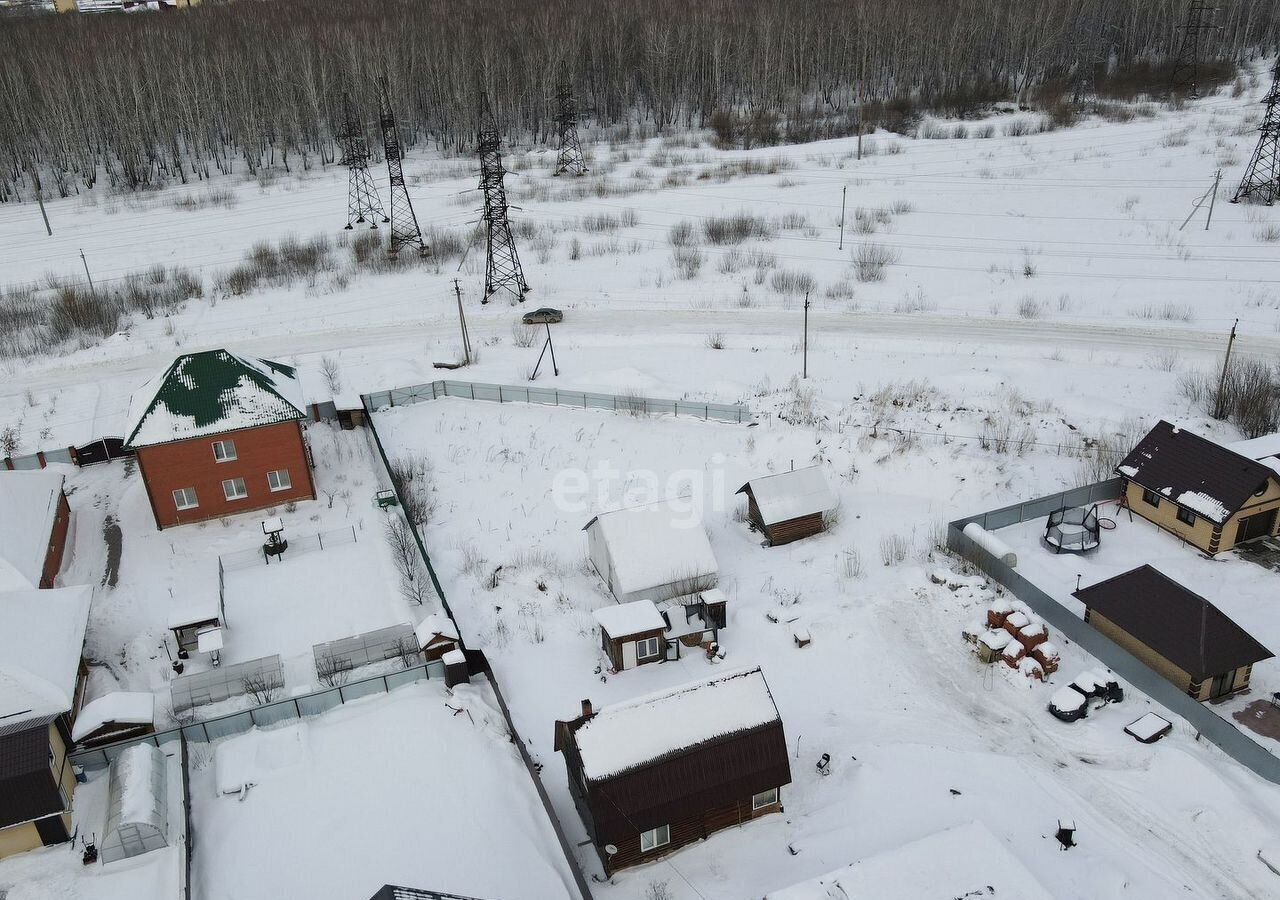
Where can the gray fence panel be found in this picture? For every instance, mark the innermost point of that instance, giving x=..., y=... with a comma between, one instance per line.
x=358, y=689
x=25, y=463
x=408, y=676
x=1039, y=509
x=548, y=396
x=670, y=407
x=379, y=399
x=316, y=704
x=265, y=716
x=195, y=733
x=61, y=455
x=237, y=723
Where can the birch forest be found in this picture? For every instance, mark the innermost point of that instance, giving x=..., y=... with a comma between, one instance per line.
x=141, y=100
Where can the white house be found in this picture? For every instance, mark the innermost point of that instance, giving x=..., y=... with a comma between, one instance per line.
x=653, y=552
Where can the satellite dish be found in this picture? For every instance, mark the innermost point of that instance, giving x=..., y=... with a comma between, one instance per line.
x=611, y=849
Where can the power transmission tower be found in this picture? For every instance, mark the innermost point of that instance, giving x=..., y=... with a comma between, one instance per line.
x=569, y=158
x=404, y=222
x=502, y=267
x=1186, y=71
x=1262, y=178
x=363, y=202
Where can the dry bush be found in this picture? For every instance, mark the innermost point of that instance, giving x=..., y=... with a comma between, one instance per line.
x=1030, y=307
x=715, y=341
x=736, y=228
x=523, y=335
x=687, y=262
x=683, y=234
x=791, y=282
x=870, y=261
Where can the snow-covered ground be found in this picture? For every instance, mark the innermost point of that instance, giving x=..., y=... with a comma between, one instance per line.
x=420, y=787
x=1040, y=295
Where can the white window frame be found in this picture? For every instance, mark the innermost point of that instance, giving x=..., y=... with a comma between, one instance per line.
x=646, y=642
x=757, y=805
x=230, y=496
x=655, y=838
x=288, y=481
x=220, y=451
x=182, y=504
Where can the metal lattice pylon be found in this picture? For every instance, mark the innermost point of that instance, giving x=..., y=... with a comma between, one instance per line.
x=404, y=222
x=569, y=157
x=1186, y=71
x=1262, y=178
x=363, y=202
x=502, y=267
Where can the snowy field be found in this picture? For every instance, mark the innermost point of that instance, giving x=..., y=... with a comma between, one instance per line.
x=370, y=794
x=887, y=687
x=1036, y=296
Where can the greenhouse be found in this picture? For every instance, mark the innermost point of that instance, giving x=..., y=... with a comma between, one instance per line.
x=137, y=805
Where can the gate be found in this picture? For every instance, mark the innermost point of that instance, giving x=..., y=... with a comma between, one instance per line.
x=102, y=450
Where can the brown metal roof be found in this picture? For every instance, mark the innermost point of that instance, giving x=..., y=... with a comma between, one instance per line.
x=1172, y=462
x=27, y=790
x=1180, y=625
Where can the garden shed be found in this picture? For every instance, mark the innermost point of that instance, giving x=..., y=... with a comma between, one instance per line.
x=115, y=717
x=137, y=804
x=652, y=552
x=790, y=505
x=631, y=634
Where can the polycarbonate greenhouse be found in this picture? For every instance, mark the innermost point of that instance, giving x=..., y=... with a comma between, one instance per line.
x=137, y=805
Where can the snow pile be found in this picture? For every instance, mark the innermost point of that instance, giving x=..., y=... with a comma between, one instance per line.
x=966, y=861
x=624, y=619
x=28, y=508
x=480, y=709
x=117, y=708
x=790, y=495
x=629, y=734
x=247, y=759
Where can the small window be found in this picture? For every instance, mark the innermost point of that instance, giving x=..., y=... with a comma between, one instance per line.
x=1151, y=498
x=655, y=838
x=279, y=480
x=764, y=798
x=234, y=489
x=224, y=451
x=1262, y=489
x=647, y=649
x=185, y=498
x=1186, y=516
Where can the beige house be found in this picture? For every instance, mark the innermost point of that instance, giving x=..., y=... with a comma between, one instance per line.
x=1209, y=495
x=1175, y=631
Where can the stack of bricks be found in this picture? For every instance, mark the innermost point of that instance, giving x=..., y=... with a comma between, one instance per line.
x=1029, y=651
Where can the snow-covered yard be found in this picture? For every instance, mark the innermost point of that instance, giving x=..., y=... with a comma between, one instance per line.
x=420, y=787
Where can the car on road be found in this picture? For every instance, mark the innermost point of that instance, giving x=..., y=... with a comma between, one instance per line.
x=542, y=316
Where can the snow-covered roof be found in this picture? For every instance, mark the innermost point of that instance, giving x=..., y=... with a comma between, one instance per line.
x=622, y=619
x=41, y=640
x=637, y=732
x=790, y=495
x=965, y=861
x=28, y=507
x=201, y=605
x=1258, y=448
x=432, y=625
x=212, y=393
x=1147, y=727
x=653, y=545
x=117, y=708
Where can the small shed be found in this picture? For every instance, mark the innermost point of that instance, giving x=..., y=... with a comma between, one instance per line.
x=115, y=717
x=137, y=804
x=193, y=615
x=349, y=409
x=790, y=505
x=436, y=636
x=631, y=633
x=652, y=552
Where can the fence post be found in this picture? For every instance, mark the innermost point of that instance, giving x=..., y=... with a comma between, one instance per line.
x=320, y=538
x=354, y=538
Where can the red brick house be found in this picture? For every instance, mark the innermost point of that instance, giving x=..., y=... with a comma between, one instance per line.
x=34, y=522
x=218, y=434
x=650, y=775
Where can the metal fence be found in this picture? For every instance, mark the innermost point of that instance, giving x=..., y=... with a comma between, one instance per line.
x=266, y=714
x=224, y=682
x=1217, y=730
x=503, y=393
x=395, y=642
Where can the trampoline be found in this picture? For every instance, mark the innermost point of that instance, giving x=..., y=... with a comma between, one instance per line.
x=1073, y=529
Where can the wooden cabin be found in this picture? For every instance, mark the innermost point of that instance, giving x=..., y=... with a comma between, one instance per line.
x=1205, y=493
x=631, y=634
x=650, y=775
x=113, y=717
x=436, y=636
x=1178, y=633
x=790, y=505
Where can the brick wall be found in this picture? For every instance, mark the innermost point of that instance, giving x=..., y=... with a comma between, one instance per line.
x=191, y=464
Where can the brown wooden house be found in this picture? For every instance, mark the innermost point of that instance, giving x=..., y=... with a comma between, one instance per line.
x=218, y=434
x=631, y=634
x=1205, y=493
x=654, y=774
x=42, y=680
x=35, y=519
x=790, y=505
x=1178, y=633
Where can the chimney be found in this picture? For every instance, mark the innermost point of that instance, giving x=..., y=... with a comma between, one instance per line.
x=587, y=711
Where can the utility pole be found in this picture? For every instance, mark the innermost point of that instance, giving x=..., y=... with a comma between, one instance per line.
x=1209, y=195
x=363, y=202
x=804, y=372
x=843, y=192
x=462, y=322
x=1186, y=70
x=93, y=291
x=502, y=266
x=569, y=157
x=43, y=214
x=554, y=368
x=404, y=221
x=1262, y=177
x=1217, y=179
x=1218, y=411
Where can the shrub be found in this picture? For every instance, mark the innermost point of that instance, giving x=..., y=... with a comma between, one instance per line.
x=870, y=261
x=736, y=228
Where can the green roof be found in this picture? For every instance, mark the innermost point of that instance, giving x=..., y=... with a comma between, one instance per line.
x=212, y=393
